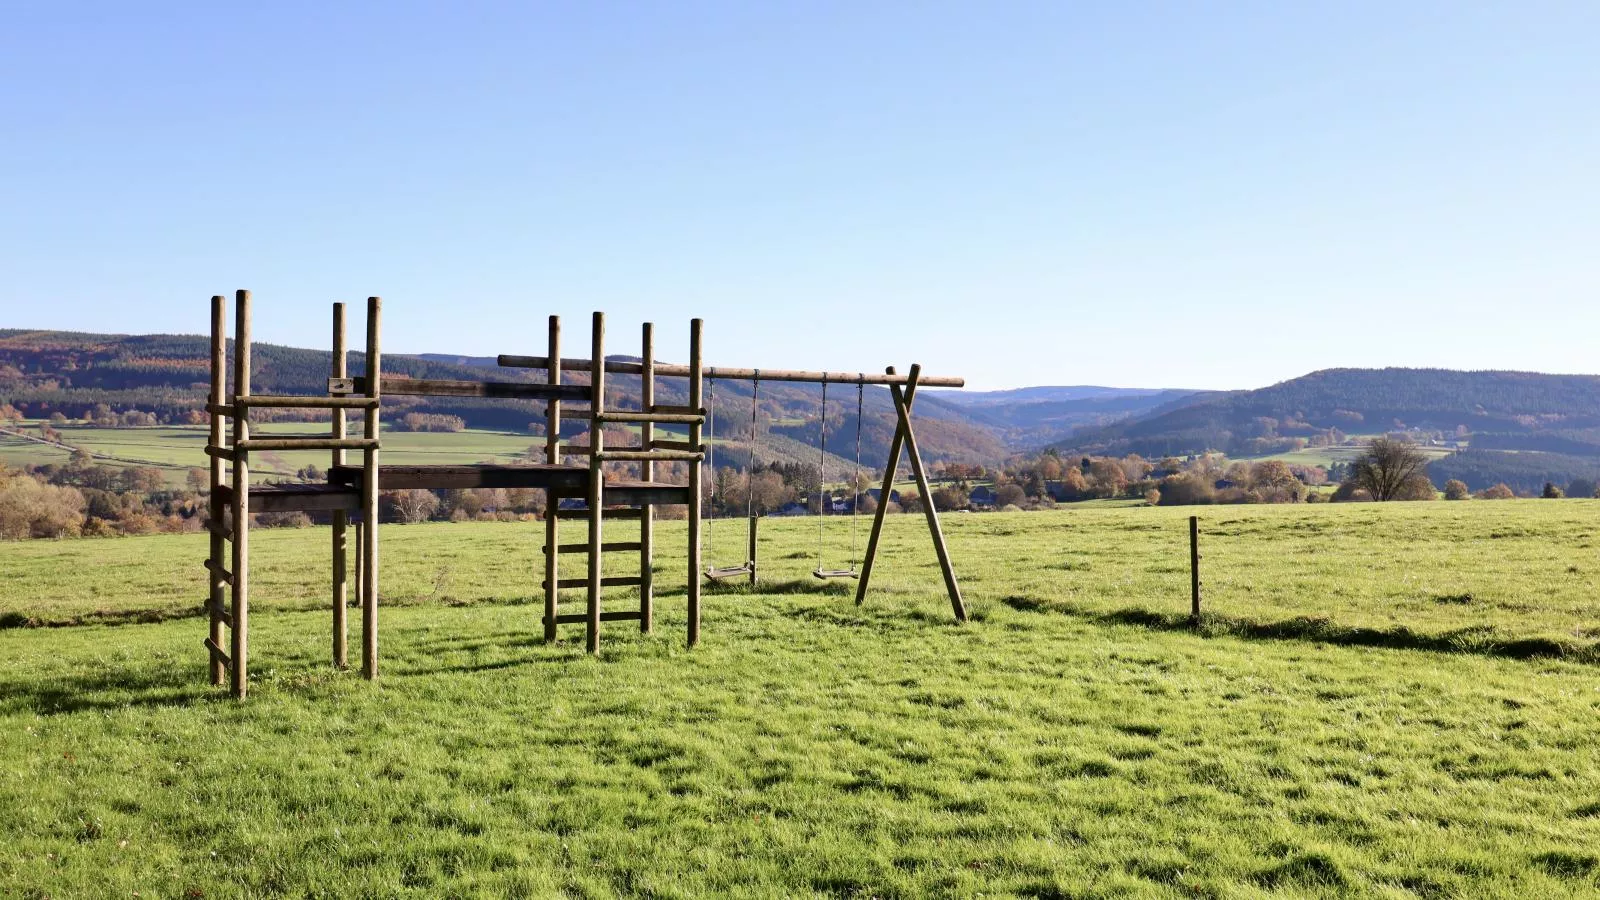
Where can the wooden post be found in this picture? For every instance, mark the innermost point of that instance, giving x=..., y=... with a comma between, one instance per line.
x=896, y=444
x=369, y=498
x=552, y=455
x=240, y=647
x=1194, y=569
x=552, y=452
x=360, y=528
x=647, y=515
x=750, y=556
x=696, y=401
x=341, y=519
x=596, y=495
x=904, y=413
x=219, y=397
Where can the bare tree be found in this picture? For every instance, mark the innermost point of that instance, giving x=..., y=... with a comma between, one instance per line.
x=1389, y=469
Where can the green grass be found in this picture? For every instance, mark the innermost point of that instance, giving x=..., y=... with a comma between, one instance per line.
x=1389, y=701
x=1327, y=456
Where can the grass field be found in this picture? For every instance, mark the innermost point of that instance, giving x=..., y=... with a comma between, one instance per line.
x=1327, y=456
x=1395, y=700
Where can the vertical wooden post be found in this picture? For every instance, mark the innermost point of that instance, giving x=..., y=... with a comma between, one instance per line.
x=552, y=453
x=369, y=497
x=647, y=515
x=360, y=529
x=696, y=401
x=219, y=397
x=750, y=555
x=932, y=515
x=341, y=519
x=240, y=648
x=596, y=495
x=1194, y=569
x=895, y=446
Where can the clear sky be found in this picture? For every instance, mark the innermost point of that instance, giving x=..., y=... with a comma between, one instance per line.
x=1140, y=194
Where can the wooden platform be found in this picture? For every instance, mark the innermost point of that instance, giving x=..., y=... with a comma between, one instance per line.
x=266, y=498
x=561, y=479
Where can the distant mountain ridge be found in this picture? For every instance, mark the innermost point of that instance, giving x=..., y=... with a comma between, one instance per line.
x=1527, y=411
x=1029, y=417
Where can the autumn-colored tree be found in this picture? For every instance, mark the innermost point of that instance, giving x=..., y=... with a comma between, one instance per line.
x=1498, y=492
x=1456, y=489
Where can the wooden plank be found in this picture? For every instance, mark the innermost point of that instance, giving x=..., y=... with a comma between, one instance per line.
x=616, y=417
x=222, y=409
x=650, y=456
x=904, y=414
x=608, y=581
x=610, y=513
x=608, y=547
x=582, y=450
x=341, y=385
x=896, y=444
x=285, y=401
x=643, y=494
x=668, y=409
x=666, y=370
x=239, y=668
x=552, y=449
x=623, y=615
x=494, y=390
x=304, y=498
x=685, y=446
x=369, y=497
x=340, y=599
x=696, y=400
x=305, y=442
x=647, y=434
x=443, y=477
x=596, y=486
x=219, y=534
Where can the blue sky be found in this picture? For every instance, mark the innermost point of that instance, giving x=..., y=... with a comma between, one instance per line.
x=1186, y=194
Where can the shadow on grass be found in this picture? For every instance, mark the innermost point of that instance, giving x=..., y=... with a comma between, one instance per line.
x=1478, y=640
x=108, y=690
x=837, y=588
x=100, y=617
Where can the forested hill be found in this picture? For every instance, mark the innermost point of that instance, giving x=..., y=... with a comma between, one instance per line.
x=44, y=372
x=1500, y=410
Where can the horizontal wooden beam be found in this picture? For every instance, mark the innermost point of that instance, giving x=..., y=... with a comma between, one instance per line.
x=627, y=416
x=621, y=615
x=613, y=581
x=513, y=361
x=437, y=387
x=609, y=513
x=447, y=477
x=613, y=547
x=220, y=452
x=306, y=442
x=649, y=455
x=297, y=498
x=285, y=401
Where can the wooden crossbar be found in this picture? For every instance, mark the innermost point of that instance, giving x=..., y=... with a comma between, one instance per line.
x=221, y=574
x=285, y=401
x=621, y=615
x=622, y=417
x=612, y=547
x=608, y=581
x=435, y=387
x=217, y=653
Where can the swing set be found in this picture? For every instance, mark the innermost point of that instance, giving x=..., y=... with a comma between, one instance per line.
x=902, y=391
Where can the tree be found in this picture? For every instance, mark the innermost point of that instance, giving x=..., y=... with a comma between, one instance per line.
x=199, y=480
x=1389, y=469
x=1456, y=489
x=1498, y=492
x=413, y=506
x=1582, y=487
x=1551, y=492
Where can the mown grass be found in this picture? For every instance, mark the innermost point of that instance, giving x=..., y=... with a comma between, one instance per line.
x=1073, y=740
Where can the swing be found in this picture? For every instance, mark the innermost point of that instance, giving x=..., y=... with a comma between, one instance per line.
x=718, y=573
x=822, y=491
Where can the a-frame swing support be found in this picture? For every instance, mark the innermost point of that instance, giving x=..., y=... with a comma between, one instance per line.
x=905, y=439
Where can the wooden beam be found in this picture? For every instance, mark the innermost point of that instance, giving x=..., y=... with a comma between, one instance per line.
x=896, y=444
x=446, y=477
x=219, y=534
x=341, y=518
x=697, y=400
x=666, y=370
x=621, y=615
x=596, y=486
x=552, y=450
x=239, y=670
x=369, y=496
x=611, y=581
x=647, y=400
x=608, y=547
x=285, y=401
x=494, y=390
x=903, y=412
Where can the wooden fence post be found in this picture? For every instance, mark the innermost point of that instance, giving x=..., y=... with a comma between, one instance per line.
x=1194, y=569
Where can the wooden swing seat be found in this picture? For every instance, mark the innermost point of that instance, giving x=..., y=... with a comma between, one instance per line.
x=719, y=573
x=835, y=573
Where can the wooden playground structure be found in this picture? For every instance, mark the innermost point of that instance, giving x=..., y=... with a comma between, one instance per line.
x=350, y=494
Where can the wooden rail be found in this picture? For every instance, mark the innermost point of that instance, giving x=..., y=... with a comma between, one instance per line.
x=725, y=373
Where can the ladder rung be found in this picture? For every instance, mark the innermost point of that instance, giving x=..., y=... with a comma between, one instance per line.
x=613, y=547
x=622, y=513
x=221, y=614
x=650, y=456
x=613, y=581
x=217, y=653
x=216, y=528
x=222, y=409
x=670, y=410
x=618, y=616
x=626, y=416
x=222, y=575
x=684, y=446
x=585, y=451
x=221, y=452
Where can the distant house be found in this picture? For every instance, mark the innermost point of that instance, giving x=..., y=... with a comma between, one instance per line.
x=1223, y=484
x=877, y=494
x=983, y=496
x=792, y=508
x=1058, y=491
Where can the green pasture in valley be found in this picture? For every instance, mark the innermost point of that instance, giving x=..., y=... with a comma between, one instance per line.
x=1397, y=700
